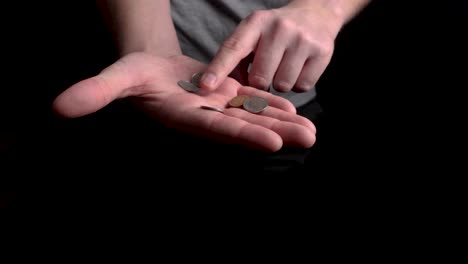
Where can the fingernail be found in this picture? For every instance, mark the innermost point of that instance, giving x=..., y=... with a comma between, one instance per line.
x=305, y=86
x=209, y=79
x=282, y=86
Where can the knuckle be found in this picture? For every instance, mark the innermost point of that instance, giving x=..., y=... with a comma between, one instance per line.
x=257, y=16
x=285, y=25
x=235, y=47
x=309, y=43
x=306, y=39
x=322, y=49
x=314, y=45
x=326, y=50
x=233, y=44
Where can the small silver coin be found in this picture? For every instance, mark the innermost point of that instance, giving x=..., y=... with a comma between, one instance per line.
x=196, y=78
x=188, y=86
x=212, y=108
x=255, y=104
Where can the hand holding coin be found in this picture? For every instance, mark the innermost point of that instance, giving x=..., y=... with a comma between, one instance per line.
x=152, y=84
x=251, y=104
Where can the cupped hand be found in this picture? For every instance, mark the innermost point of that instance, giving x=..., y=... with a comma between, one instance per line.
x=292, y=47
x=151, y=83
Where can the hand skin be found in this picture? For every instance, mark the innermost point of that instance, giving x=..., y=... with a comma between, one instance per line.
x=150, y=82
x=292, y=45
x=147, y=73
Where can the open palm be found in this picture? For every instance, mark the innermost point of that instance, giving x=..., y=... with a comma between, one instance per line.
x=151, y=83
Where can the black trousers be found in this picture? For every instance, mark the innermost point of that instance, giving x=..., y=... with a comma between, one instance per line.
x=393, y=76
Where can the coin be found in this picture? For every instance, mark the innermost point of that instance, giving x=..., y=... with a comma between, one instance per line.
x=196, y=77
x=238, y=101
x=212, y=108
x=188, y=86
x=255, y=104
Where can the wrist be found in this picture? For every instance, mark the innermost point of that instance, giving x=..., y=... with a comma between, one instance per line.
x=338, y=12
x=329, y=10
x=150, y=48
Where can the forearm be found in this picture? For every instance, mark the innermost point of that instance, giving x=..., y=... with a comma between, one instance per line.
x=340, y=11
x=142, y=25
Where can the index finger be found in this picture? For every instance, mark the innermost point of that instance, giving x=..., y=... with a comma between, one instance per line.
x=235, y=48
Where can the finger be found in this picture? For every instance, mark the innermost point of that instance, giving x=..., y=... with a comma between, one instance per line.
x=289, y=69
x=231, y=129
x=273, y=100
x=240, y=73
x=94, y=93
x=310, y=74
x=236, y=47
x=268, y=56
x=292, y=134
x=289, y=117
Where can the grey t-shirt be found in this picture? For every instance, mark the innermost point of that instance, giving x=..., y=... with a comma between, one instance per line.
x=202, y=25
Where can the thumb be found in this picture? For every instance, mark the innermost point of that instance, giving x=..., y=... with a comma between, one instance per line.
x=92, y=94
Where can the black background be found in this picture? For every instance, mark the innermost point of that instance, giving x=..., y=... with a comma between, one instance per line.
x=391, y=97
